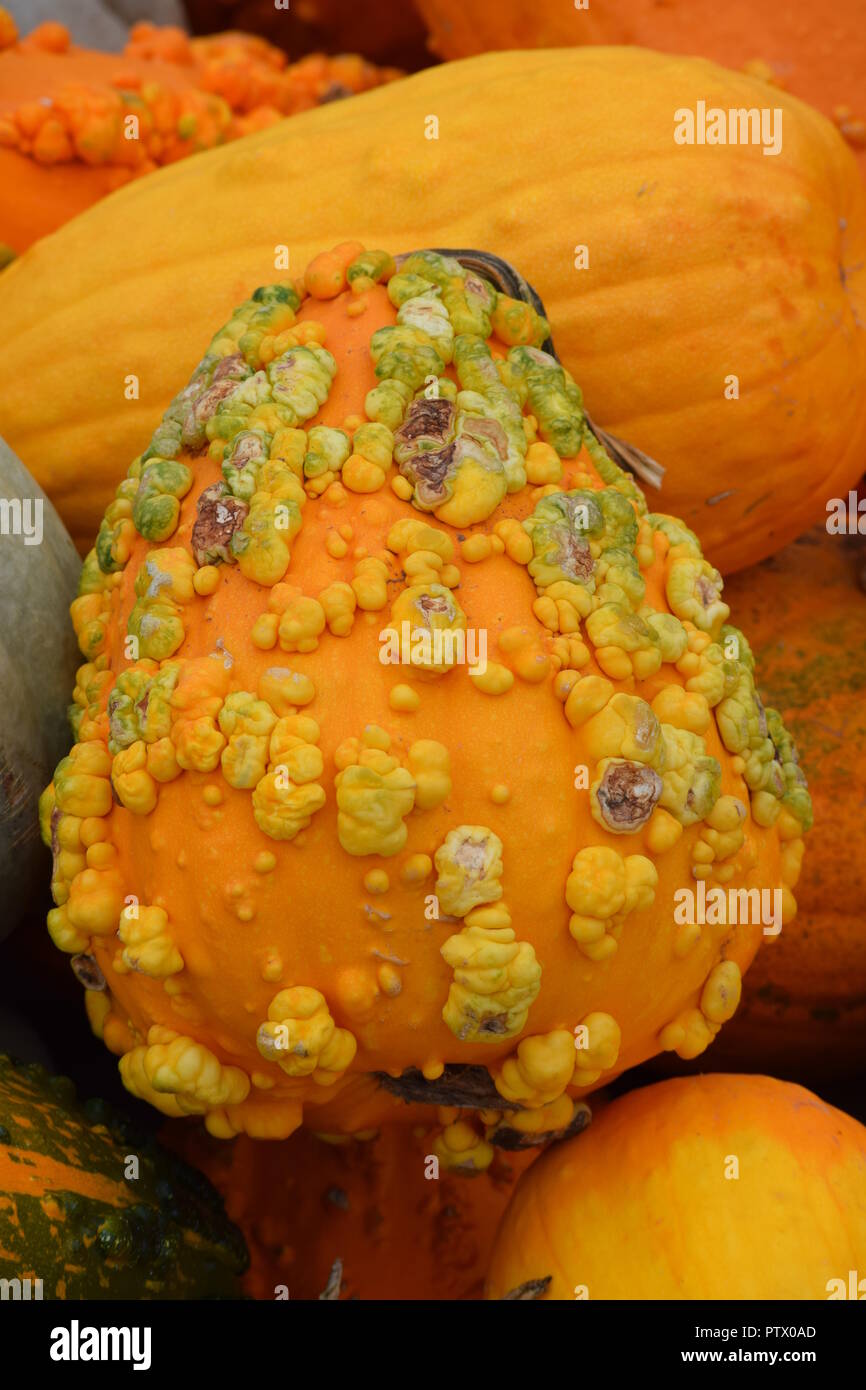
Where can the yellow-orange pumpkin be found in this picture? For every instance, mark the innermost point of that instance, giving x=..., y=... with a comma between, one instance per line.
x=703, y=262
x=65, y=111
x=726, y=1187
x=820, y=57
x=303, y=870
x=804, y=1004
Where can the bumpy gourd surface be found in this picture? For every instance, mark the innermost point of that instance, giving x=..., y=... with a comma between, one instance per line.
x=77, y=1215
x=77, y=123
x=284, y=863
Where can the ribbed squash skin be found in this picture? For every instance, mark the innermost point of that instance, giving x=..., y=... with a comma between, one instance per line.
x=703, y=261
x=304, y=870
x=818, y=56
x=804, y=1002
x=70, y=1218
x=306, y=1202
x=647, y=1203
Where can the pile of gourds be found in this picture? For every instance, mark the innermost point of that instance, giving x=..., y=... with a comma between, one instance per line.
x=411, y=710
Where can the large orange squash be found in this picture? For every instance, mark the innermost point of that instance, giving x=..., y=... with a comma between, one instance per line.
x=377, y=1205
x=65, y=137
x=819, y=56
x=727, y=1187
x=804, y=1004
x=704, y=262
x=405, y=732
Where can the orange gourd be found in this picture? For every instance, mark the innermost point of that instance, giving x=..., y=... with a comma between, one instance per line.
x=804, y=1004
x=376, y=1205
x=820, y=58
x=76, y=124
x=725, y=1187
x=402, y=727
x=664, y=313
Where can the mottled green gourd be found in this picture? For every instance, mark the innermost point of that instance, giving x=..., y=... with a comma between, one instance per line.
x=70, y=1217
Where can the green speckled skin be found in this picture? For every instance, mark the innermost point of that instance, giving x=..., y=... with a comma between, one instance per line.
x=87, y=1231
